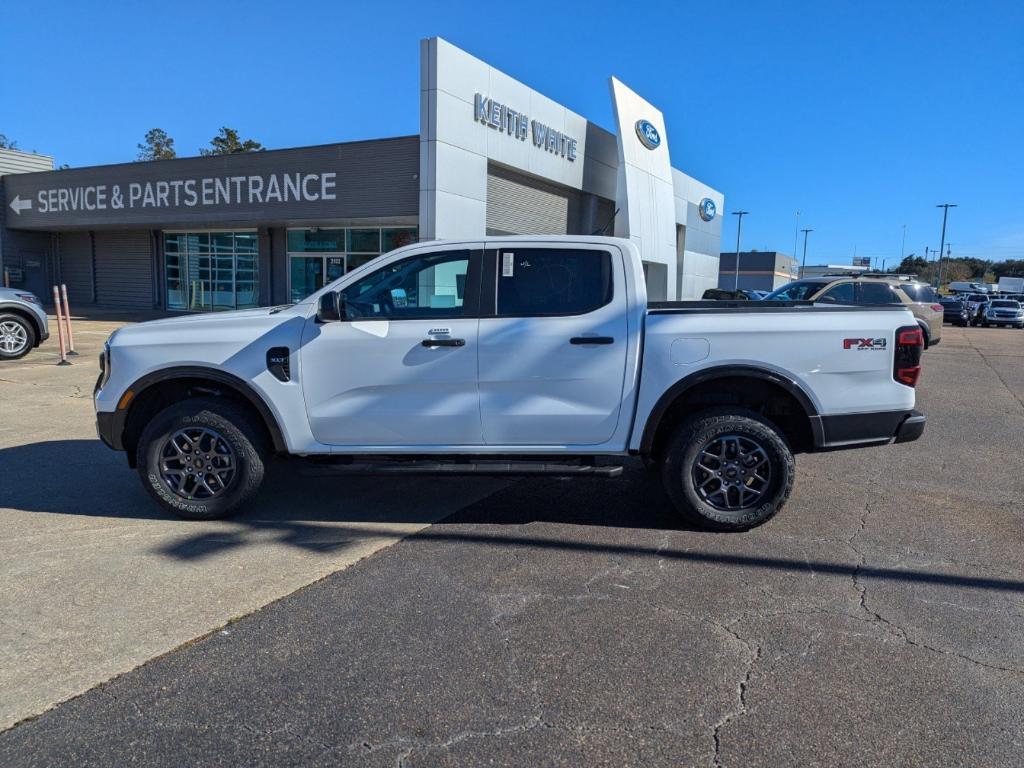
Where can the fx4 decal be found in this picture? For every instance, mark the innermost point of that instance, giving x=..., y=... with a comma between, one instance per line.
x=861, y=344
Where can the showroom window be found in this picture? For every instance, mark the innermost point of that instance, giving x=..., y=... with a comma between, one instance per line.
x=209, y=271
x=317, y=256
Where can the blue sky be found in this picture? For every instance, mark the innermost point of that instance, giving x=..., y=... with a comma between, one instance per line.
x=863, y=115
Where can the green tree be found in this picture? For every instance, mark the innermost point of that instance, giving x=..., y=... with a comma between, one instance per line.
x=6, y=143
x=227, y=142
x=1008, y=268
x=157, y=146
x=912, y=265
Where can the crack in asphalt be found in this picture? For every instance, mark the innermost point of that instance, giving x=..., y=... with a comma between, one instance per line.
x=875, y=617
x=999, y=376
x=755, y=653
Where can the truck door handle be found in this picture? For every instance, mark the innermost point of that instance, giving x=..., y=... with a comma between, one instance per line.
x=591, y=340
x=444, y=342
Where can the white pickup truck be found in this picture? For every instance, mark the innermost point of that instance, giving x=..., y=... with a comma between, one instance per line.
x=515, y=356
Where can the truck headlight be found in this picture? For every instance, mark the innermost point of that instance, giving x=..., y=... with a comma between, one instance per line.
x=104, y=376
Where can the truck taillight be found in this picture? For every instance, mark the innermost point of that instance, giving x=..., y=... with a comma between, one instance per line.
x=906, y=367
x=937, y=308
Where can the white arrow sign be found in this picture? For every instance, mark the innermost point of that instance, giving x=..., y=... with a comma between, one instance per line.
x=18, y=205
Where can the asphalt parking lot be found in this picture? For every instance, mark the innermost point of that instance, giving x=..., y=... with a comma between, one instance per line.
x=876, y=621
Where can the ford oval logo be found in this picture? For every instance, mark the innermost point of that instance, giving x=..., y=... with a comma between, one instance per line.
x=707, y=209
x=648, y=134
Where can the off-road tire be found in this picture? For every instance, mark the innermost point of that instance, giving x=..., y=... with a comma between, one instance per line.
x=684, y=449
x=243, y=436
x=28, y=330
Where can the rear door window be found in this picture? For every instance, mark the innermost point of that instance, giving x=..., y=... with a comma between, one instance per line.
x=878, y=293
x=924, y=294
x=536, y=282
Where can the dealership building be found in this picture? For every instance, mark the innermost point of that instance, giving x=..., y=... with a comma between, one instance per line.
x=493, y=157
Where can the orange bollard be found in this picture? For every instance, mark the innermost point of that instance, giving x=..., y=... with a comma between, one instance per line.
x=60, y=328
x=67, y=319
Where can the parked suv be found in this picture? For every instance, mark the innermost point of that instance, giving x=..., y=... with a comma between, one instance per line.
x=1003, y=312
x=22, y=323
x=954, y=310
x=977, y=303
x=872, y=291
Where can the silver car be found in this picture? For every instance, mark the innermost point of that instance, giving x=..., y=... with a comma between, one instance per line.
x=22, y=323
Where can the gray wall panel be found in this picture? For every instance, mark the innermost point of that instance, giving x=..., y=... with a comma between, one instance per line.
x=124, y=273
x=76, y=268
x=279, y=265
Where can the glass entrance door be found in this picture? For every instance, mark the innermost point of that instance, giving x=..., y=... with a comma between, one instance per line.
x=319, y=256
x=307, y=276
x=311, y=273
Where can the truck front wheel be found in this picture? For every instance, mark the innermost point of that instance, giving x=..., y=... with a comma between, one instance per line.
x=201, y=458
x=728, y=470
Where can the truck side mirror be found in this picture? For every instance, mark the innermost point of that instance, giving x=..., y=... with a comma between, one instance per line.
x=331, y=307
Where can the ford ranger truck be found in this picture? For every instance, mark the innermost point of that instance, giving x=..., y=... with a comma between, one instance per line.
x=509, y=355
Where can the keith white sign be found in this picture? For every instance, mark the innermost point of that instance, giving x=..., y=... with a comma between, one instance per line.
x=503, y=118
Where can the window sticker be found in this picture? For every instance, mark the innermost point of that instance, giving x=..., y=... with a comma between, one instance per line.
x=507, y=264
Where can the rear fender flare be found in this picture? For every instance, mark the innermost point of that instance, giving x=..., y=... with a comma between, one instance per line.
x=680, y=388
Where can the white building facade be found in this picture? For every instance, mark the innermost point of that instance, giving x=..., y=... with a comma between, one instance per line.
x=497, y=157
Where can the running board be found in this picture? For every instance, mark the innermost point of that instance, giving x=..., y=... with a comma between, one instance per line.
x=482, y=468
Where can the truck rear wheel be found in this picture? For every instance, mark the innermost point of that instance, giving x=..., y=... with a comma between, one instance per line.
x=201, y=458
x=728, y=470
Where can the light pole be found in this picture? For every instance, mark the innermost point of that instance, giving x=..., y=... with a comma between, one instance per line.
x=803, y=264
x=739, y=228
x=796, y=233
x=903, y=242
x=942, y=245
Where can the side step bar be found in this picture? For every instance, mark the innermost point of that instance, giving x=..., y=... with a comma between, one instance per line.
x=481, y=468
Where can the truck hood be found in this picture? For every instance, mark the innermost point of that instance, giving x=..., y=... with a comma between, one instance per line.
x=215, y=318
x=215, y=335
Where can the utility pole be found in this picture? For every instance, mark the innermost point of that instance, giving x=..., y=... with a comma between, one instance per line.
x=796, y=233
x=903, y=242
x=803, y=264
x=739, y=227
x=942, y=245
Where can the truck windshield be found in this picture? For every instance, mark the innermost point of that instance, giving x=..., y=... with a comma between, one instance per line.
x=1005, y=305
x=801, y=290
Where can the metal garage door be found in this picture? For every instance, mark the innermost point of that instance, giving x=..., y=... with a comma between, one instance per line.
x=124, y=270
x=76, y=266
x=518, y=205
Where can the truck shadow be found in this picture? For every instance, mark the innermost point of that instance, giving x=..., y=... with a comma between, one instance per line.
x=83, y=477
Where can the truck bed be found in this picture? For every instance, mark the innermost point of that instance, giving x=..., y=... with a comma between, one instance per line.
x=724, y=307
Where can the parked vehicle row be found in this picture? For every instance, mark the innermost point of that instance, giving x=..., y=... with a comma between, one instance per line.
x=982, y=309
